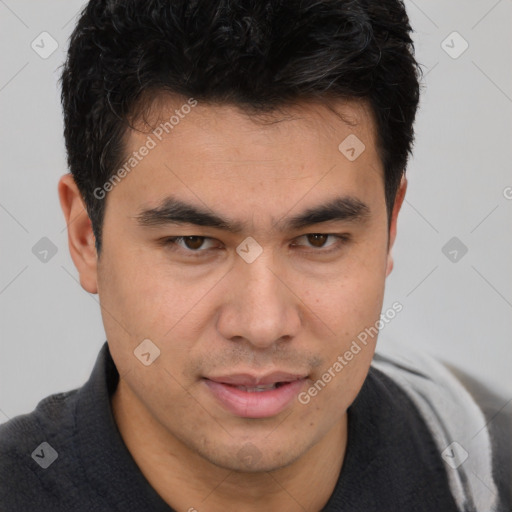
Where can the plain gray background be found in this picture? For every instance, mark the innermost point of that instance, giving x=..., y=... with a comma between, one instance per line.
x=460, y=185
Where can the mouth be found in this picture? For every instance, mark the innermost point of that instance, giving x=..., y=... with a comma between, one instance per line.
x=259, y=389
x=249, y=396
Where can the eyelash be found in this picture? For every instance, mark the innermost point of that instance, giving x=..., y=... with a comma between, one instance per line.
x=172, y=243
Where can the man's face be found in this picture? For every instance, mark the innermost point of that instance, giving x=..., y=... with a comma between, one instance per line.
x=228, y=322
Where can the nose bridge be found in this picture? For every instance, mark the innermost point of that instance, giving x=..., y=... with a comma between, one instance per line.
x=260, y=309
x=262, y=285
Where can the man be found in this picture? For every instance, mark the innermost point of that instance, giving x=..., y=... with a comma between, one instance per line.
x=237, y=170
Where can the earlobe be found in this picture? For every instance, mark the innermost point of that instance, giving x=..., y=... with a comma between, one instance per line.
x=399, y=199
x=81, y=238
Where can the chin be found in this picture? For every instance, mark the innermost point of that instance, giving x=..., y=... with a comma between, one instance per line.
x=257, y=457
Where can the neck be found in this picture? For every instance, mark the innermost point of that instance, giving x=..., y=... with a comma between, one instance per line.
x=187, y=481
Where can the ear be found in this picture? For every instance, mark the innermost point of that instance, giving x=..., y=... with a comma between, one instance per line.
x=399, y=199
x=81, y=238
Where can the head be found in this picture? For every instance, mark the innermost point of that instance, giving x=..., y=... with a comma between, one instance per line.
x=273, y=138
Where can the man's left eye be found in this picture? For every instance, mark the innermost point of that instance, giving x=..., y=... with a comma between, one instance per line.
x=319, y=240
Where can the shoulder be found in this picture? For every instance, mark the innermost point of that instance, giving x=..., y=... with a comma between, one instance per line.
x=30, y=448
x=53, y=413
x=458, y=420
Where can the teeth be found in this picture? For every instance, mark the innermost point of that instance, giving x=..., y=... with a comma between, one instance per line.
x=257, y=389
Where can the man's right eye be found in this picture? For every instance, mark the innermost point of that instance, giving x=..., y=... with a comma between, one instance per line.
x=191, y=243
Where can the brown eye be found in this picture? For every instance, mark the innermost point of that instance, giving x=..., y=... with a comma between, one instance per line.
x=322, y=243
x=193, y=242
x=317, y=239
x=191, y=245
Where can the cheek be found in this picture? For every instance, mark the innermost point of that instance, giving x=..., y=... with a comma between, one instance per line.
x=147, y=299
x=149, y=295
x=347, y=306
x=350, y=298
x=351, y=315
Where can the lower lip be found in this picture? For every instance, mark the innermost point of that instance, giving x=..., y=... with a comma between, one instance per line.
x=257, y=404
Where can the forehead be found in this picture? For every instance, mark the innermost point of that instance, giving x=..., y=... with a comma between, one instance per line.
x=217, y=153
x=230, y=126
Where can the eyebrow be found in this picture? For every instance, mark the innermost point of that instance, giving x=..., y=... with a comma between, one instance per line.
x=175, y=211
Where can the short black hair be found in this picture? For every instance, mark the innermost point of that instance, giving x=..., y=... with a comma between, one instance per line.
x=256, y=54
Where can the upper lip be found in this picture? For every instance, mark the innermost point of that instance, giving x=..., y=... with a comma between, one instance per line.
x=250, y=380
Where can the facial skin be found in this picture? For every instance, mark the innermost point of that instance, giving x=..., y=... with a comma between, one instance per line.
x=294, y=309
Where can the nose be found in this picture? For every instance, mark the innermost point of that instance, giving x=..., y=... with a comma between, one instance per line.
x=260, y=305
